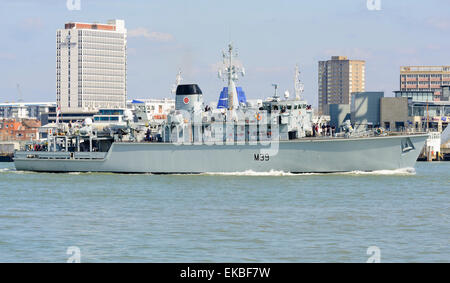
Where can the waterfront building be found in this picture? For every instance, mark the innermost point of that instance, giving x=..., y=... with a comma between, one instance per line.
x=68, y=116
x=143, y=110
x=15, y=130
x=394, y=113
x=110, y=116
x=339, y=113
x=414, y=95
x=338, y=78
x=445, y=96
x=25, y=110
x=365, y=109
x=425, y=78
x=151, y=110
x=91, y=67
x=400, y=113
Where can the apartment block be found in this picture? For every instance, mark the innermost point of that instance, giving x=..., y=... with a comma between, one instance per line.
x=338, y=78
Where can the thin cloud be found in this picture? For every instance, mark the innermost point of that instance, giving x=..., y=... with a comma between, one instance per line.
x=351, y=53
x=439, y=23
x=151, y=35
x=32, y=23
x=433, y=47
x=7, y=56
x=407, y=51
x=271, y=70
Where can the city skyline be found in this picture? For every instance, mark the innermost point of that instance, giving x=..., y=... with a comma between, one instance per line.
x=271, y=39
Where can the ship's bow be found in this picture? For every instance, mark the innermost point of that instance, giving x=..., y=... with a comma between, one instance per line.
x=411, y=146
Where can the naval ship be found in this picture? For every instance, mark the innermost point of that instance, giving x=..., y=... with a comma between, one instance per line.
x=278, y=134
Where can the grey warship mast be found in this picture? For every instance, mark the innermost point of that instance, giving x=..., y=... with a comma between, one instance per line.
x=299, y=87
x=276, y=135
x=232, y=72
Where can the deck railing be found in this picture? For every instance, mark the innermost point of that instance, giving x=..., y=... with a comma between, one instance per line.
x=59, y=155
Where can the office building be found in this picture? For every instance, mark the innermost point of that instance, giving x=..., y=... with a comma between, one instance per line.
x=425, y=78
x=91, y=66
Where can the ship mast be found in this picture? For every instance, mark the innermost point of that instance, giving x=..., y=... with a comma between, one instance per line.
x=178, y=80
x=298, y=85
x=230, y=72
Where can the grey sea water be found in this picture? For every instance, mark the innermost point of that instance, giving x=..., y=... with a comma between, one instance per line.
x=226, y=217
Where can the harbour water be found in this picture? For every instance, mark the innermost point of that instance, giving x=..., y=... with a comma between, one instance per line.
x=244, y=217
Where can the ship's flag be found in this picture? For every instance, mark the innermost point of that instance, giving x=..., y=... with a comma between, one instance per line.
x=58, y=112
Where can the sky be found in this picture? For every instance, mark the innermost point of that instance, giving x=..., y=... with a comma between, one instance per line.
x=271, y=37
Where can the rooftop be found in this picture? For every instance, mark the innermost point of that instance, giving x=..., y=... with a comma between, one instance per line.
x=25, y=104
x=112, y=25
x=425, y=69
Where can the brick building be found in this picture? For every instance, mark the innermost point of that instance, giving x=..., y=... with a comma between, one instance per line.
x=15, y=130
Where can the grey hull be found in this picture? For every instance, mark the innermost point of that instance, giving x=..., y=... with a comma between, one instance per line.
x=298, y=156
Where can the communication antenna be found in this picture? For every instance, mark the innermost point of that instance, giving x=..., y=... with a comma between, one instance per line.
x=229, y=72
x=276, y=87
x=19, y=94
x=178, y=80
x=299, y=87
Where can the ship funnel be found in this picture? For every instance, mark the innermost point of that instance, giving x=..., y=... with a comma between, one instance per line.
x=189, y=97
